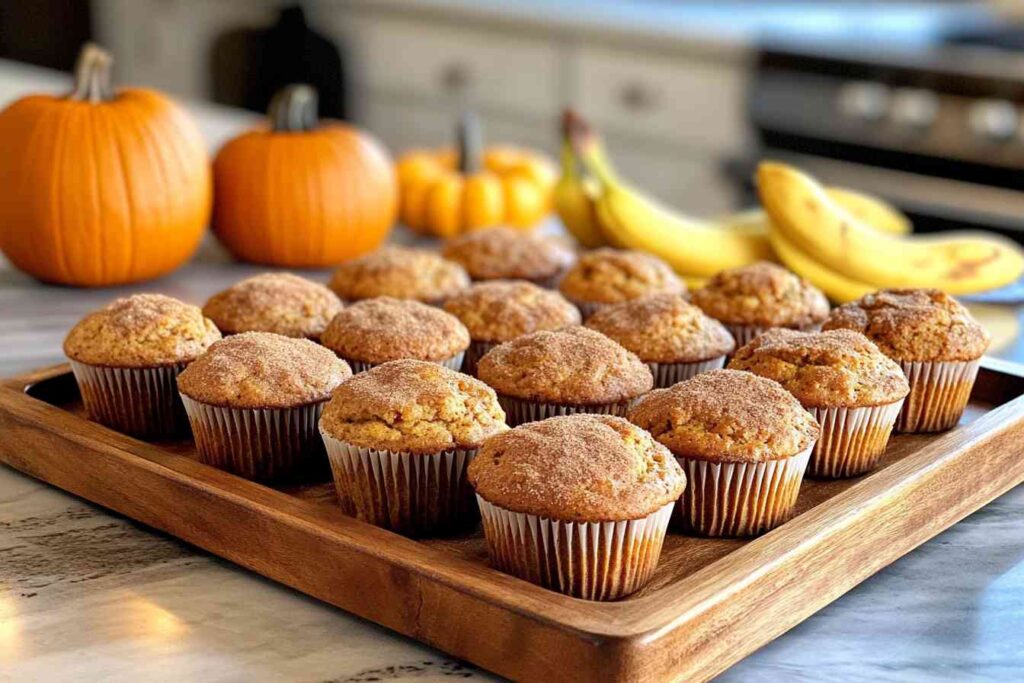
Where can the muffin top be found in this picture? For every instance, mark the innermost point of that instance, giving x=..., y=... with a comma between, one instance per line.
x=914, y=325
x=263, y=370
x=825, y=369
x=573, y=365
x=579, y=468
x=274, y=302
x=415, y=406
x=383, y=329
x=506, y=253
x=142, y=330
x=500, y=310
x=664, y=329
x=400, y=272
x=608, y=276
x=762, y=294
x=727, y=416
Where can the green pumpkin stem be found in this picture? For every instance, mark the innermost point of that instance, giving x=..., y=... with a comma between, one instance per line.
x=293, y=109
x=92, y=75
x=470, y=143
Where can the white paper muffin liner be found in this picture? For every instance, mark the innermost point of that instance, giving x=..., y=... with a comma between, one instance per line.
x=262, y=444
x=474, y=353
x=410, y=493
x=590, y=560
x=739, y=499
x=667, y=374
x=939, y=392
x=142, y=402
x=453, y=363
x=852, y=440
x=744, y=334
x=520, y=411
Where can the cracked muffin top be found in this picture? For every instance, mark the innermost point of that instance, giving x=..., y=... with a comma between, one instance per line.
x=664, y=329
x=914, y=325
x=573, y=365
x=384, y=329
x=142, y=330
x=825, y=369
x=609, y=276
x=282, y=303
x=727, y=416
x=501, y=310
x=263, y=370
x=578, y=468
x=762, y=294
x=505, y=253
x=413, y=406
x=399, y=272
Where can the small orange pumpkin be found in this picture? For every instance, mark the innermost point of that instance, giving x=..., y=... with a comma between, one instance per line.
x=302, y=193
x=446, y=192
x=101, y=187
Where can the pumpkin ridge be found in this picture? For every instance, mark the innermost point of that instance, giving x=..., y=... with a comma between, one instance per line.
x=129, y=199
x=56, y=206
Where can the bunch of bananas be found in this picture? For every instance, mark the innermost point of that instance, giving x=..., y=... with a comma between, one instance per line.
x=844, y=242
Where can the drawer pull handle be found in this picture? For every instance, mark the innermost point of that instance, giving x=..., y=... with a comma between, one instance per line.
x=455, y=77
x=637, y=97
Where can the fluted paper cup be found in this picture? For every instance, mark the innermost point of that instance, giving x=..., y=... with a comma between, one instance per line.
x=590, y=560
x=939, y=392
x=852, y=440
x=453, y=363
x=739, y=498
x=667, y=374
x=520, y=411
x=142, y=402
x=262, y=444
x=411, y=493
x=474, y=353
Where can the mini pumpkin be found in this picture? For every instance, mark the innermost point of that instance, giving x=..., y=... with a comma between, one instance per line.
x=103, y=187
x=447, y=192
x=300, y=192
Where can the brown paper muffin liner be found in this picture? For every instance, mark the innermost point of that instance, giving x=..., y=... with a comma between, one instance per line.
x=739, y=498
x=474, y=353
x=262, y=444
x=667, y=374
x=939, y=392
x=588, y=308
x=744, y=334
x=520, y=411
x=142, y=402
x=590, y=560
x=453, y=363
x=410, y=493
x=852, y=439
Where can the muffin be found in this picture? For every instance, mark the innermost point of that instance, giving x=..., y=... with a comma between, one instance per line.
x=399, y=438
x=499, y=311
x=254, y=400
x=759, y=297
x=674, y=338
x=854, y=390
x=579, y=504
x=560, y=372
x=274, y=302
x=611, y=276
x=126, y=356
x=507, y=254
x=935, y=340
x=744, y=443
x=399, y=272
x=375, y=331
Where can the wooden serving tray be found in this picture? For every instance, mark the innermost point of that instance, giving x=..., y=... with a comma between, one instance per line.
x=711, y=602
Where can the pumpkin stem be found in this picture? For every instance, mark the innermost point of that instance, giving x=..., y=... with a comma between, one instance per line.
x=470, y=143
x=92, y=75
x=293, y=108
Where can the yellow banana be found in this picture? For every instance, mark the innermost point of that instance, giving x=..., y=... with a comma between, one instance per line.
x=814, y=223
x=874, y=212
x=573, y=200
x=836, y=287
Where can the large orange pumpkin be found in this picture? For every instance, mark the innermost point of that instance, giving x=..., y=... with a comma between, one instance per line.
x=101, y=187
x=302, y=193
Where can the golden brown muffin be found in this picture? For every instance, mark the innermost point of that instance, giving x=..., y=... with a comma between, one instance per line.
x=274, y=302
x=385, y=329
x=413, y=406
x=142, y=330
x=914, y=325
x=727, y=416
x=609, y=276
x=505, y=253
x=573, y=365
x=825, y=369
x=663, y=329
x=502, y=310
x=580, y=468
x=399, y=272
x=263, y=370
x=764, y=295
